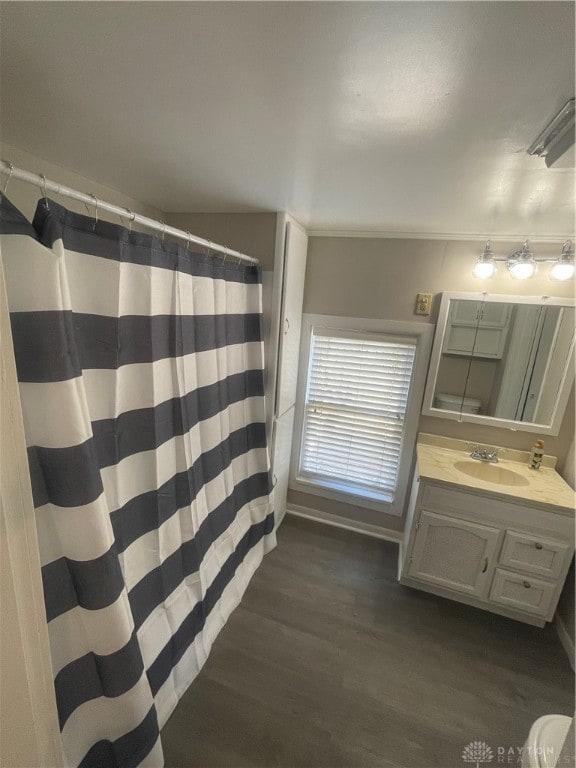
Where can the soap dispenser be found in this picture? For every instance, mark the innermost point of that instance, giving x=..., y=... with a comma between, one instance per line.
x=537, y=454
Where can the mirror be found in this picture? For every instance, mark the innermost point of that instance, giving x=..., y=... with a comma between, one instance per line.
x=504, y=361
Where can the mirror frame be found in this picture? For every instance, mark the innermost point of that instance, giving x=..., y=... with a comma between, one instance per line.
x=567, y=381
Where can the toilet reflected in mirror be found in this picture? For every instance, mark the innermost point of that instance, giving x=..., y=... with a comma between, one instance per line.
x=447, y=402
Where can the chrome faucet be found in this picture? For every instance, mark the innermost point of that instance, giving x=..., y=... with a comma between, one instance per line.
x=485, y=454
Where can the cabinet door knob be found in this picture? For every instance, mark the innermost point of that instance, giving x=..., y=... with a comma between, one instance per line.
x=527, y=584
x=538, y=545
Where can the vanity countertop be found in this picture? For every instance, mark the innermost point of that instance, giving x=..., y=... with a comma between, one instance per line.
x=437, y=457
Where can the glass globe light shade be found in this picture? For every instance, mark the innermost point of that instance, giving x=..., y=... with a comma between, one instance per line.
x=522, y=269
x=484, y=269
x=562, y=270
x=521, y=264
x=485, y=266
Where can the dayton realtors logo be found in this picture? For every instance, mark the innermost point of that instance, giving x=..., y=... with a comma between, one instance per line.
x=477, y=752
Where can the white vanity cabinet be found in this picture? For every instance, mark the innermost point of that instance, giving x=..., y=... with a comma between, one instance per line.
x=476, y=547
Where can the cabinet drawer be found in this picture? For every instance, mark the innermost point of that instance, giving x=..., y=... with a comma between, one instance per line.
x=524, y=593
x=526, y=552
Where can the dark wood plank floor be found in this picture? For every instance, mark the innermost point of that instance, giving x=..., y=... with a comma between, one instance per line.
x=329, y=662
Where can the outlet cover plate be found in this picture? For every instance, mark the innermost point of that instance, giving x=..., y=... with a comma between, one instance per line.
x=423, y=304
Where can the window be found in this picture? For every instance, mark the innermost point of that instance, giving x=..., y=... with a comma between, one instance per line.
x=353, y=413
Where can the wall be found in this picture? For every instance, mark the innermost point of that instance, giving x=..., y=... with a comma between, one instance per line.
x=25, y=196
x=251, y=233
x=379, y=278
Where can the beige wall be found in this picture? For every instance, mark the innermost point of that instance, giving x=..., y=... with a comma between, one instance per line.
x=380, y=277
x=251, y=233
x=25, y=196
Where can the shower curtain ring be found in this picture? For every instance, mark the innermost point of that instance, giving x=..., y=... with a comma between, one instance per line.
x=132, y=216
x=44, y=190
x=163, y=230
x=10, y=172
x=188, y=237
x=95, y=210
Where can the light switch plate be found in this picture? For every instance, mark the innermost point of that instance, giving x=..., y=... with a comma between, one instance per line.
x=423, y=303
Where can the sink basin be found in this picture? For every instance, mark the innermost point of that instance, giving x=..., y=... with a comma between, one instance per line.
x=490, y=473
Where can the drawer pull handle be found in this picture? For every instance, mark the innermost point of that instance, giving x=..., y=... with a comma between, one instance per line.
x=538, y=545
x=485, y=565
x=286, y=325
x=527, y=584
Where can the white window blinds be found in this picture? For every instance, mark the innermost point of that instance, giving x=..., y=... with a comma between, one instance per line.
x=356, y=395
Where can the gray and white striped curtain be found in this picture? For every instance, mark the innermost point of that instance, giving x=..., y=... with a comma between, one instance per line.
x=141, y=378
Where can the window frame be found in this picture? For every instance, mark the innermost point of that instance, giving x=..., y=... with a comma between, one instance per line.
x=422, y=333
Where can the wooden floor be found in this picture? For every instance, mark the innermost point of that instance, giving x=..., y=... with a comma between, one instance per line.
x=330, y=662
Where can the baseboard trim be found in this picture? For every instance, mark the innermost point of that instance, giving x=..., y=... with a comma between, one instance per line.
x=565, y=639
x=343, y=522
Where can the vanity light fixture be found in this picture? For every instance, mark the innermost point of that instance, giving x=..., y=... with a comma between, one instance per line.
x=522, y=264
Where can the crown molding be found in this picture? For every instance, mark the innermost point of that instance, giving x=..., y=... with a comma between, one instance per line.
x=437, y=236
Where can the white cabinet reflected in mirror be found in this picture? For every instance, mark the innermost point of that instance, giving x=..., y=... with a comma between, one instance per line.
x=504, y=361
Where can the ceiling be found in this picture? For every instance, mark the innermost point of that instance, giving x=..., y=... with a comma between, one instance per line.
x=410, y=117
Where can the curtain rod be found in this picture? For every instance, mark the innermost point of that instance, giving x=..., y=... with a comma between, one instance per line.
x=135, y=218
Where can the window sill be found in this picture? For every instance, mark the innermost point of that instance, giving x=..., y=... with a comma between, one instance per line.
x=346, y=495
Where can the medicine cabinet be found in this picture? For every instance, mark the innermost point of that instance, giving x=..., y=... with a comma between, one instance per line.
x=503, y=361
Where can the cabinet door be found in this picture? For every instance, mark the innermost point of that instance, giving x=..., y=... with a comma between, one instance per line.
x=281, y=449
x=490, y=314
x=291, y=317
x=475, y=342
x=453, y=553
x=477, y=329
x=494, y=314
x=465, y=312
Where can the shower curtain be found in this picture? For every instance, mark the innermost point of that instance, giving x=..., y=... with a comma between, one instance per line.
x=141, y=379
